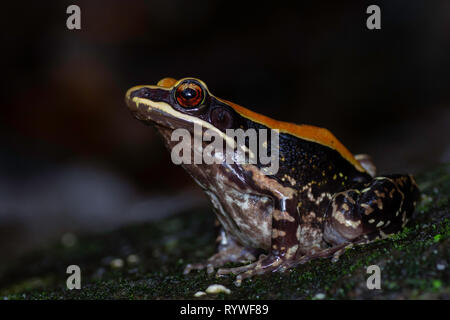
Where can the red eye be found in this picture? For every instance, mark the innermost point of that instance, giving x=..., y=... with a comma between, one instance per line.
x=189, y=95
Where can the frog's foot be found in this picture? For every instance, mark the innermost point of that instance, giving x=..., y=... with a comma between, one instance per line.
x=270, y=263
x=230, y=251
x=274, y=263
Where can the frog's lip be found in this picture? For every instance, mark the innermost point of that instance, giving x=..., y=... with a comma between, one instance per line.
x=146, y=92
x=150, y=104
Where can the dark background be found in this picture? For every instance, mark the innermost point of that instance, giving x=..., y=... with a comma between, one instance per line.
x=73, y=159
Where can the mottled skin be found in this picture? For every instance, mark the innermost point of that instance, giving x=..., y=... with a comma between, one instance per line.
x=320, y=200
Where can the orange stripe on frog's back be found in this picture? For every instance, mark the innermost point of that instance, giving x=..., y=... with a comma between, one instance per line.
x=307, y=132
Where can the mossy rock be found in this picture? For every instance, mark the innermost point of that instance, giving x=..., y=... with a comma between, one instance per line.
x=146, y=262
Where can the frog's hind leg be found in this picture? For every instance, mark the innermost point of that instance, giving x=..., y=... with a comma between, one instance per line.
x=228, y=250
x=378, y=209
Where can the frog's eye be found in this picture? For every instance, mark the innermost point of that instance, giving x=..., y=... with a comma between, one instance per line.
x=189, y=95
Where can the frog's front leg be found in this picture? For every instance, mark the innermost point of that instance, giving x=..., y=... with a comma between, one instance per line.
x=284, y=241
x=284, y=244
x=228, y=250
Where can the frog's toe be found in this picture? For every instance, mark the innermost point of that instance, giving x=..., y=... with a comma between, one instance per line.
x=241, y=272
x=270, y=263
x=236, y=270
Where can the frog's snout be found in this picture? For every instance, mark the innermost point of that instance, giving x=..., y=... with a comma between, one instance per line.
x=129, y=100
x=136, y=92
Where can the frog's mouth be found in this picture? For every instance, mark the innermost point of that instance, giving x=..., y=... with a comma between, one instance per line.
x=148, y=104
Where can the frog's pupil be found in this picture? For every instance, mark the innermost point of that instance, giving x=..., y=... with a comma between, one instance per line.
x=188, y=93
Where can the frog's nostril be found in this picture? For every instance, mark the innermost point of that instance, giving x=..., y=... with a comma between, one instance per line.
x=141, y=93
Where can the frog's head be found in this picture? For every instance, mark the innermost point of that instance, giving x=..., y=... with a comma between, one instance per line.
x=187, y=104
x=173, y=104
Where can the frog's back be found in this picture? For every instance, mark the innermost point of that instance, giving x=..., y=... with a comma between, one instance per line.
x=301, y=133
x=316, y=158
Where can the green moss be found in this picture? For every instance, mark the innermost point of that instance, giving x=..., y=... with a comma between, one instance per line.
x=408, y=262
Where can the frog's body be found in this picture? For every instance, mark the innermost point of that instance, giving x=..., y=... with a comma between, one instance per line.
x=320, y=200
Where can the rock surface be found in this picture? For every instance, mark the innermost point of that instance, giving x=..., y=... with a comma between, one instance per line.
x=146, y=262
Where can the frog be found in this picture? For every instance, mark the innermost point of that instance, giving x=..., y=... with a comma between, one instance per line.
x=321, y=200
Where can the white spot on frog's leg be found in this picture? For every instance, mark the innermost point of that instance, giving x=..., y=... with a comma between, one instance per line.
x=310, y=195
x=339, y=216
x=404, y=222
x=309, y=237
x=319, y=199
x=379, y=224
x=383, y=235
x=277, y=233
x=291, y=180
x=404, y=217
x=368, y=209
x=322, y=196
x=380, y=204
x=379, y=194
x=371, y=220
x=291, y=252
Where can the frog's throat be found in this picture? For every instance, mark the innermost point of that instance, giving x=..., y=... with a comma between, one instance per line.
x=168, y=112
